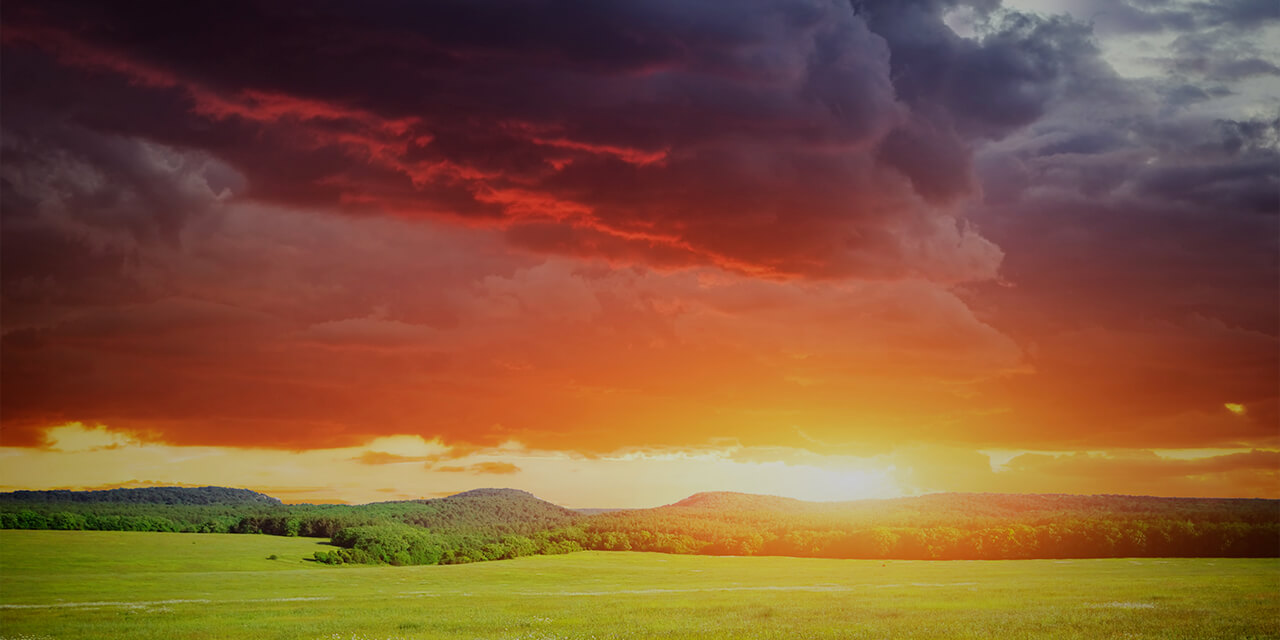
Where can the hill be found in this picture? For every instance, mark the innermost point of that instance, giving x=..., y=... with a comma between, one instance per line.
x=480, y=513
x=498, y=511
x=951, y=525
x=482, y=524
x=957, y=507
x=201, y=496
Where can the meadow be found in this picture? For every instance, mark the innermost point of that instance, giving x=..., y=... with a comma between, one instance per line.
x=81, y=584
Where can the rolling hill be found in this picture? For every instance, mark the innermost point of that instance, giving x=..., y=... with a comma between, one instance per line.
x=960, y=507
x=949, y=525
x=482, y=510
x=200, y=496
x=484, y=513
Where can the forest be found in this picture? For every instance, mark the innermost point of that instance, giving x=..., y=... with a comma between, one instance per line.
x=495, y=524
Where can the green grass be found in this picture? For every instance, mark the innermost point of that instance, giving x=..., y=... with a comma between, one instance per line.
x=161, y=585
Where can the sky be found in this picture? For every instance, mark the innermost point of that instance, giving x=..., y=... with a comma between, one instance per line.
x=618, y=253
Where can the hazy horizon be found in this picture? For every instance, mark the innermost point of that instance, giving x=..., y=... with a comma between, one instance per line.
x=446, y=494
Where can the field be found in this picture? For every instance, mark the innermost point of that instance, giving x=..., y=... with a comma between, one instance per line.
x=175, y=586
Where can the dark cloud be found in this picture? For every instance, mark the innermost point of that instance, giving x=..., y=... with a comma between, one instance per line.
x=1219, y=55
x=988, y=85
x=743, y=137
x=85, y=213
x=1242, y=14
x=1155, y=16
x=1147, y=233
x=962, y=90
x=1250, y=186
x=107, y=184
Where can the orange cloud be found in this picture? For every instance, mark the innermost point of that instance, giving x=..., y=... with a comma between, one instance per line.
x=382, y=457
x=1248, y=474
x=497, y=468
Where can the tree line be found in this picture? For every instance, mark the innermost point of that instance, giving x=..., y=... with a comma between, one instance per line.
x=1069, y=539
x=500, y=524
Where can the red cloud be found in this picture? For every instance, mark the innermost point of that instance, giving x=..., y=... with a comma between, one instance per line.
x=773, y=174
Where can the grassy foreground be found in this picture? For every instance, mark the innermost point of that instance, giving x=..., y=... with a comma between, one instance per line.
x=56, y=584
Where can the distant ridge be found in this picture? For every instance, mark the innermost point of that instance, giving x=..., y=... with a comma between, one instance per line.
x=145, y=495
x=993, y=505
x=947, y=526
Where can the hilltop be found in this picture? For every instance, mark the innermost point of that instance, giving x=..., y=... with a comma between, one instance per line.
x=734, y=501
x=483, y=510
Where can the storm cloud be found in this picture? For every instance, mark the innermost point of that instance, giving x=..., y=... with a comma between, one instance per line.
x=581, y=225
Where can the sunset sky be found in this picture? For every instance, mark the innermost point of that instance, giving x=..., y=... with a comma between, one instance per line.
x=615, y=253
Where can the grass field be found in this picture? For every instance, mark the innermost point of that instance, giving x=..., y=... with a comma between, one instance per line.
x=166, y=586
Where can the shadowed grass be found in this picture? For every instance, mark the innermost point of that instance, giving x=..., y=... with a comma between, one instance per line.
x=155, y=585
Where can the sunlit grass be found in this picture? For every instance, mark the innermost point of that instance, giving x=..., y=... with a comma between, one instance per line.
x=147, y=585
